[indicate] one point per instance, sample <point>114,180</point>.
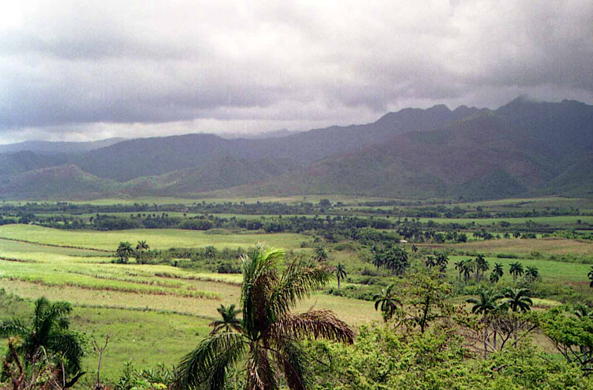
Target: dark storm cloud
<point>82,70</point>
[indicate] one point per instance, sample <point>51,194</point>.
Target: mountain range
<point>524,148</point>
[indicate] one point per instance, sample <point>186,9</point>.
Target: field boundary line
<point>189,277</point>
<point>138,308</point>
<point>2,258</point>
<point>195,295</point>
<point>56,246</point>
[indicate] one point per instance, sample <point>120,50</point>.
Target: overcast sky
<point>84,70</point>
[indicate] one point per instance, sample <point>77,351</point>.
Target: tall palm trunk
<point>485,341</point>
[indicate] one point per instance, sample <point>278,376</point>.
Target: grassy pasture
<point>530,203</point>
<point>156,238</point>
<point>132,334</point>
<point>346,199</point>
<point>25,247</point>
<point>550,271</point>
<point>548,246</point>
<point>551,221</point>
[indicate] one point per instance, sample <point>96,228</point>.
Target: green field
<point>137,304</point>
<point>157,238</point>
<point>142,305</point>
<point>551,221</point>
<point>545,247</point>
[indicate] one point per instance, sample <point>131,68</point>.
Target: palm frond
<point>206,366</point>
<point>13,327</point>
<point>53,315</point>
<point>298,281</point>
<point>316,324</point>
<point>295,363</point>
<point>260,276</point>
<point>41,305</point>
<point>69,345</point>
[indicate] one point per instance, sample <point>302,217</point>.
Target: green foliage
<point>427,297</point>
<point>382,359</point>
<point>267,339</point>
<point>387,301</point>
<point>144,379</point>
<point>48,333</point>
<point>571,334</point>
<point>123,252</point>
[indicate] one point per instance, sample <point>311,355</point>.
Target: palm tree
<point>270,333</point>
<point>340,273</point>
<point>430,262</point>
<point>590,275</point>
<point>48,330</point>
<point>229,321</point>
<point>486,304</point>
<point>481,266</point>
<point>518,299</point>
<point>532,274</point>
<point>516,270</point>
<point>468,268</point>
<point>399,261</point>
<point>442,262</point>
<point>320,254</point>
<point>459,267</point>
<point>379,260</point>
<point>387,301</point>
<point>124,251</point>
<point>141,248</point>
<point>497,272</point>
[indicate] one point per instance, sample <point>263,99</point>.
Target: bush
<point>507,256</point>
<point>228,268</point>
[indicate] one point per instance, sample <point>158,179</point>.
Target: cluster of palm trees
<point>394,258</point>
<point>476,268</point>
<point>125,250</point>
<point>441,261</point>
<point>531,272</point>
<point>493,306</point>
<point>267,336</point>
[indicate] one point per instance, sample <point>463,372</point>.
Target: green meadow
<point>158,238</point>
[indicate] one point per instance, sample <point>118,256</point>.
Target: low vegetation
<point>429,294</point>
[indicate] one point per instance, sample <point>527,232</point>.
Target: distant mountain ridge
<point>524,147</point>
<point>51,147</point>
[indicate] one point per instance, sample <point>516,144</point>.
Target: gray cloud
<point>85,70</point>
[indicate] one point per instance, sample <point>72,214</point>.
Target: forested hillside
<point>524,147</point>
